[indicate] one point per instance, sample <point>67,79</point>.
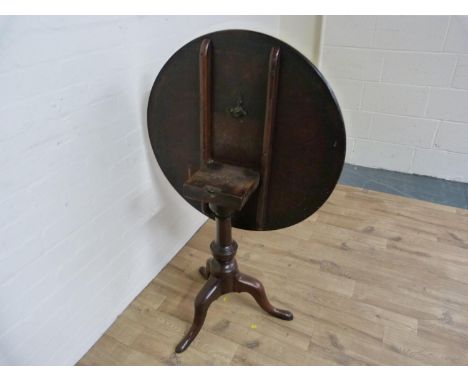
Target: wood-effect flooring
<point>372,279</point>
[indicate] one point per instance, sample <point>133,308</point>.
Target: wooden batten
<point>268,132</point>
<point>206,149</point>
<point>206,145</point>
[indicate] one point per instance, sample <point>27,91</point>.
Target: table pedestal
<point>223,276</point>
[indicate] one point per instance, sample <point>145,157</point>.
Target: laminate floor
<point>372,279</point>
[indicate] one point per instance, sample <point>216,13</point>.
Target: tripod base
<point>224,277</point>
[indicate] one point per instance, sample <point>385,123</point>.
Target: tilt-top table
<point>247,130</point>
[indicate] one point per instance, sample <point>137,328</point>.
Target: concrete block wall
<point>86,217</point>
<point>402,82</point>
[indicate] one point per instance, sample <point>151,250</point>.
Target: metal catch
<point>238,111</point>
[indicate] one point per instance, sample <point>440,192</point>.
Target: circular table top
<point>308,140</point>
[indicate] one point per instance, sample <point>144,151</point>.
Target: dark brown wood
<point>249,284</point>
<point>260,123</point>
<point>209,293</point>
<point>205,67</point>
<point>205,101</point>
<point>308,140</point>
<point>223,276</point>
<point>223,226</point>
<point>268,131</point>
<point>222,184</point>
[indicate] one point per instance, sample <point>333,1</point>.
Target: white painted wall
<point>402,82</point>
<point>303,32</point>
<point>86,217</point>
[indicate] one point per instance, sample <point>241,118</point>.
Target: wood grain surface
<point>372,279</point>
<point>252,94</point>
